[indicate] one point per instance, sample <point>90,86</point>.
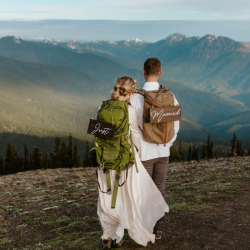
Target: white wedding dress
<point>139,203</point>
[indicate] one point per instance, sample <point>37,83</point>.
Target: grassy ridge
<point>56,208</point>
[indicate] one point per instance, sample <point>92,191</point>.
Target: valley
<point>50,88</point>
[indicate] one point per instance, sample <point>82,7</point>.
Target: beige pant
<point>157,169</point>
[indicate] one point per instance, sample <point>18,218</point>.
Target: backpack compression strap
<point>115,191</point>
<point>133,150</point>
<point>108,182</point>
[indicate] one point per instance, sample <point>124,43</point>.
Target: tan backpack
<point>159,115</point>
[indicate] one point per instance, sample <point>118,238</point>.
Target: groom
<point>154,157</point>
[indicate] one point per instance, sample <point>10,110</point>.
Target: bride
<point>139,203</point>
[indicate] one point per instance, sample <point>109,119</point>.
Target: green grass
<point>198,186</point>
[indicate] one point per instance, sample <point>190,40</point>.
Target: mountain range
<point>215,64</point>
<point>50,88</point>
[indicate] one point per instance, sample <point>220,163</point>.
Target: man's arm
<point>176,127</point>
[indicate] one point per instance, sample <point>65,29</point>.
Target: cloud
<point>132,10</point>
<point>202,5</point>
<point>230,7</point>
<point>31,12</point>
<point>34,11</point>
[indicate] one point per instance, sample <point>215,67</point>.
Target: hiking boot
<point>117,245</point>
<point>106,244</point>
<point>158,228</point>
<point>158,234</point>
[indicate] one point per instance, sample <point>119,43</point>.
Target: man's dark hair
<point>152,66</point>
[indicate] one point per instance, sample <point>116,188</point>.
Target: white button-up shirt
<point>151,150</point>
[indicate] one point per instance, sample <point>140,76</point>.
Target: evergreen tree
<point>217,155</point>
<point>204,152</point>
<point>50,164</point>
<point>70,162</point>
<point>242,151</point>
<point>180,149</point>
<point>8,161</point>
<point>211,150</point>
<point>174,154</point>
<point>26,158</point>
<point>15,160</point>
<point>239,150</point>
<point>76,157</point>
<point>233,144</point>
<point>19,163</point>
<point>86,159</point>
<point>30,160</point>
<point>248,151</point>
<point>56,154</point>
<point>44,161</point>
<point>36,158</point>
<point>63,155</point>
<point>93,158</point>
<point>195,153</point>
<point>209,147</point>
<point>223,154</point>
<point>189,153</point>
<point>1,166</point>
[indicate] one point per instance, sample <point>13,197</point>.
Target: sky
<point>125,9</point>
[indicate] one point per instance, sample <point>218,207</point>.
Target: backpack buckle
<point>109,191</point>
<point>117,177</point>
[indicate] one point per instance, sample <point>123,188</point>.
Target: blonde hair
<point>123,86</point>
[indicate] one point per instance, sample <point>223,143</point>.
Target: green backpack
<point>115,154</point>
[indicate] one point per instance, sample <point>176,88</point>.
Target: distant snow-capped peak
<point>211,38</point>
<point>50,41</point>
<point>39,38</point>
<point>112,42</point>
<point>26,39</point>
<point>17,39</point>
<point>72,44</point>
<point>175,37</point>
<point>135,40</point>
<point>44,39</point>
<point>97,41</point>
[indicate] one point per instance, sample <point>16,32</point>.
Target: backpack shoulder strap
<point>140,91</point>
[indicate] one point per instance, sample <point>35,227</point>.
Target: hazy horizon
<point>150,31</point>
